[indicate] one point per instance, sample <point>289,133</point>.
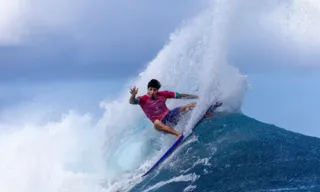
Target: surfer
<point>154,106</point>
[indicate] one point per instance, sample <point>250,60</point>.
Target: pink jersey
<point>156,108</point>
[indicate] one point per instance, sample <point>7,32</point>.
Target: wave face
<point>197,60</point>
<point>233,152</point>
<point>193,61</point>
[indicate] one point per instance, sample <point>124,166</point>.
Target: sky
<point>286,99</point>
<point>81,39</point>
<point>55,51</point>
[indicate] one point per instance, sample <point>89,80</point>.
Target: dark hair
<point>154,84</point>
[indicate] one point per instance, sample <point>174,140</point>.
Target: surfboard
<point>170,150</point>
<point>208,113</point>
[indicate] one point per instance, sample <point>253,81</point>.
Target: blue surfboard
<point>209,112</point>
<point>170,150</point>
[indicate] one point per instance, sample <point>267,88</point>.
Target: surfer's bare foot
<point>179,135</point>
<point>208,115</point>
<point>188,107</point>
<point>217,104</point>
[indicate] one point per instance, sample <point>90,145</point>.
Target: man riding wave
<point>154,106</point>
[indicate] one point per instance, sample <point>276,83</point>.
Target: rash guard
<point>156,108</point>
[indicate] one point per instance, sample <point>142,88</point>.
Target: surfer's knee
<point>157,124</point>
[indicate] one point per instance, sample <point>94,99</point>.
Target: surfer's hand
<point>134,91</point>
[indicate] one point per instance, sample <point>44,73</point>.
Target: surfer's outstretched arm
<point>133,99</point>
<point>188,96</point>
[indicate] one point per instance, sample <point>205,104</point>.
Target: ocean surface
<point>233,152</point>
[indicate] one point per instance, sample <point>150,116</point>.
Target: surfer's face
<point>152,92</point>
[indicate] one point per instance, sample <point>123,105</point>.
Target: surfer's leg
<point>163,127</point>
<point>188,107</point>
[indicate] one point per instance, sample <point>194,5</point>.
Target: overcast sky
<point>85,39</point>
<point>109,39</point>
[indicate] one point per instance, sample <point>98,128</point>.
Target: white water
<point>78,153</point>
<point>296,21</point>
<point>57,156</point>
<point>193,61</point>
